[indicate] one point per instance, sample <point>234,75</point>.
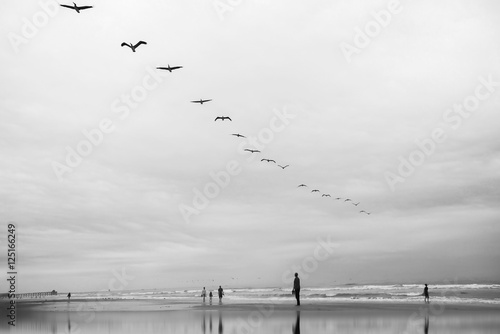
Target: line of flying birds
<point>169,68</point>
<point>133,47</point>
<point>336,198</point>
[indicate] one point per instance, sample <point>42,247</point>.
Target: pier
<point>30,294</point>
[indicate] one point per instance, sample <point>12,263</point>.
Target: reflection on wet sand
<point>214,321</point>
<point>210,323</point>
<point>296,327</point>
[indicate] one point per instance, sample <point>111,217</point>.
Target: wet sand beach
<point>172,316</point>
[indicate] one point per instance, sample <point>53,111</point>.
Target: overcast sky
<point>394,105</point>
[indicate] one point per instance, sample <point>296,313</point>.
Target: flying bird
<point>301,185</point>
<point>168,68</point>
<point>337,198</point>
<point>251,151</point>
<point>268,160</point>
<point>283,167</point>
<point>222,118</point>
<point>348,199</point>
<point>237,135</point>
<point>133,47</point>
<point>201,101</point>
<point>326,195</point>
<point>368,213</point>
<point>355,204</point>
<point>77,8</point>
<point>315,191</point>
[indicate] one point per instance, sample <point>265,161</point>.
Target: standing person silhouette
<point>296,288</point>
<point>203,293</point>
<point>69,296</point>
<point>210,295</point>
<point>426,294</point>
<point>221,293</point>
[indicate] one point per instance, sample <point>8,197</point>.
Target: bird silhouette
<point>251,151</point>
<point>222,118</point>
<point>315,191</point>
<point>326,195</point>
<point>355,204</point>
<point>200,101</point>
<point>368,213</point>
<point>168,68</point>
<point>337,198</point>
<point>77,8</point>
<point>268,160</point>
<point>347,200</point>
<point>301,185</point>
<point>237,135</point>
<point>132,46</point>
<point>283,167</point>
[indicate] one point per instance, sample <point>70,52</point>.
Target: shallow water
<point>256,320</point>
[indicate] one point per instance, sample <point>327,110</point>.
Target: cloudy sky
<point>108,170</point>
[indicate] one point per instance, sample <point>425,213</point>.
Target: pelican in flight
<point>237,135</point>
<point>283,167</point>
<point>355,204</point>
<point>77,8</point>
<point>201,101</point>
<point>348,199</point>
<point>132,46</point>
<point>337,198</point>
<point>222,118</point>
<point>168,68</point>
<point>268,160</point>
<point>315,191</point>
<point>301,185</point>
<point>251,151</point>
<point>368,213</point>
<point>326,195</point>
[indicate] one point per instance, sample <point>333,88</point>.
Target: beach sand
<point>181,316</point>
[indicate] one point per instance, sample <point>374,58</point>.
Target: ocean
<point>444,293</point>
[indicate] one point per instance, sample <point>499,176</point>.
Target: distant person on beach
<point>69,296</point>
<point>221,293</point>
<point>203,293</point>
<point>296,288</point>
<point>210,295</point>
<point>426,294</point>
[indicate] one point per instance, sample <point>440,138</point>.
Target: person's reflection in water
<point>203,324</point>
<point>69,323</point>
<point>53,327</point>
<point>426,324</point>
<point>220,323</point>
<point>210,323</point>
<point>296,327</point>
